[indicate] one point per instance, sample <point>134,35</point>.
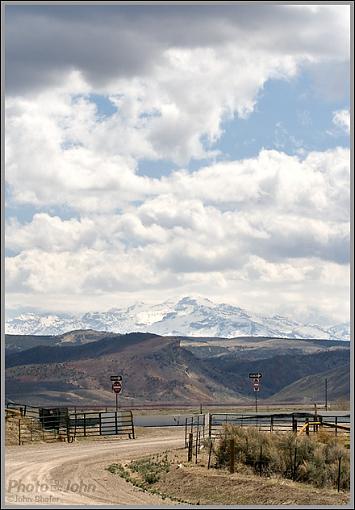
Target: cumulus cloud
<point>341,118</point>
<point>45,43</point>
<point>171,75</point>
<point>287,233</point>
<point>165,68</point>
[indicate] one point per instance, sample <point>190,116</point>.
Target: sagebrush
<point>307,459</point>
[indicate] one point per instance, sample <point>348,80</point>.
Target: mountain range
<point>188,316</point>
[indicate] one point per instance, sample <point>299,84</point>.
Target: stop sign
<point>117,386</point>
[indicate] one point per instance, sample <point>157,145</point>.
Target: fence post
<point>336,425</point>
<point>100,424</point>
<point>19,432</point>
<point>271,423</point>
<point>189,452</point>
<point>133,436</point>
<point>260,460</point>
<point>232,455</point>
<point>75,422</point>
<point>209,425</point>
<point>84,424</point>
<point>209,454</point>
<point>307,426</point>
<point>197,438</point>
<point>185,432</point>
<point>67,419</point>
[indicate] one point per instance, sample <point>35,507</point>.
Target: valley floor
<point>68,474</point>
<point>194,484</point>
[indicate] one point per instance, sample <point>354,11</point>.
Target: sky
<point>158,151</point>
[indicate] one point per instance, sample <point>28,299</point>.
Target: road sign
<point>256,388</point>
<point>117,386</point>
<point>255,375</point>
<point>116,378</point>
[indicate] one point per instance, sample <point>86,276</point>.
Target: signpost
<point>256,376</point>
<point>116,386</point>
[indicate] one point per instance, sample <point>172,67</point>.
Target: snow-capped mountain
<point>185,317</point>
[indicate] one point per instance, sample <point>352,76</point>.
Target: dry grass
<point>23,430</point>
<point>194,484</point>
<point>312,459</point>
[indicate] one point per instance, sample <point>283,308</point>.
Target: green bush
<point>150,469</point>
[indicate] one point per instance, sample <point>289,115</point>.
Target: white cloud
<point>104,43</point>
<point>273,219</point>
<point>267,220</point>
<point>341,118</point>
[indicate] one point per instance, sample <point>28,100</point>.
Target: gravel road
<point>69,474</point>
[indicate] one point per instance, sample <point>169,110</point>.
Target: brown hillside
<point>156,369</point>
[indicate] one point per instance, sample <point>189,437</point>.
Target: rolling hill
<point>153,368</point>
<point>311,388</point>
<point>163,369</point>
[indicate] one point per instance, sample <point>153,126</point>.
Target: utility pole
<point>326,393</point>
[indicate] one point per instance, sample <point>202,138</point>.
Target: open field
<point>170,475</point>
<point>86,460</point>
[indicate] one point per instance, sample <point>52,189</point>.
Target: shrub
<point>305,458</point>
<point>150,469</point>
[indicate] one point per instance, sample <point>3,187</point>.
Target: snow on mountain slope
<point>185,317</point>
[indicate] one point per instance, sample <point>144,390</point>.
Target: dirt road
<point>55,474</point>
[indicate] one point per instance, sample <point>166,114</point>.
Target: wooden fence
<point>281,422</point>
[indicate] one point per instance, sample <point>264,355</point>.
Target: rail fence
<point>64,424</point>
<point>203,431</point>
<point>278,422</point>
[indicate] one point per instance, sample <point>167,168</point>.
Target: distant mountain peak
<point>186,316</point>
